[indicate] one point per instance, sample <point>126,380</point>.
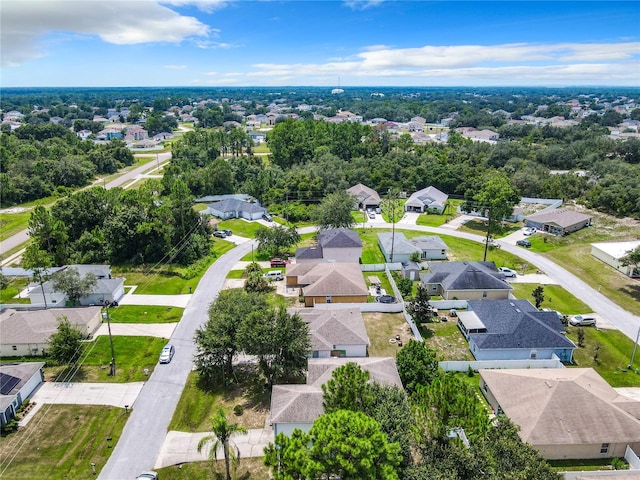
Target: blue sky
<point>318,43</point>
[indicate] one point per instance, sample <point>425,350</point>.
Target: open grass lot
<point>12,223</point>
<point>61,441</point>
<point>170,279</point>
<point>433,220</point>
<point>478,227</point>
<point>132,354</point>
<point>248,469</point>
<point>240,227</point>
<point>306,240</point>
<point>613,357</point>
<point>145,314</point>
<point>383,326</point>
<point>371,252</point>
<point>200,401</point>
<point>446,339</point>
<point>555,298</point>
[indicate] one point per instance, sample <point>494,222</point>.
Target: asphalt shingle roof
<point>339,238</point>
<point>465,276</point>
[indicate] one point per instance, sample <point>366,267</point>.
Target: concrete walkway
<point>182,447</point>
<point>131,298</point>
<point>160,330</point>
<point>113,394</point>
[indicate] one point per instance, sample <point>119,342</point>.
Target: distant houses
<point>611,253</point>
<point>235,208</point>
<point>428,199</point>
<point>367,197</point>
<point>558,222</point>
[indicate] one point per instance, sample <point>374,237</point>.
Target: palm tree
<point>222,431</point>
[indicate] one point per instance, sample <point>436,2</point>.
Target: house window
<point>534,354</point>
<point>485,388</point>
<point>442,252</point>
<point>15,347</point>
<point>604,448</point>
<point>328,299</point>
<point>484,294</point>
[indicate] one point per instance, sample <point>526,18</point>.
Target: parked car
<point>267,217</point>
<point>150,475</point>
<point>274,275</point>
<point>529,231</point>
<point>167,354</point>
<point>492,243</point>
<point>372,215</point>
<point>581,321</point>
<point>508,272</point>
<point>524,243</point>
<point>228,233</point>
<point>220,234</point>
<point>278,262</point>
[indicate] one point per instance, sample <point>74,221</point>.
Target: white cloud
<point>533,64</point>
<point>26,22</point>
<point>362,4</point>
<point>204,5</point>
<point>175,67</point>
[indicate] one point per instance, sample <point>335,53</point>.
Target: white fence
<point>633,459</point>
<point>407,317</point>
<point>449,304</point>
<point>364,307</point>
<point>380,267</point>
<point>463,366</point>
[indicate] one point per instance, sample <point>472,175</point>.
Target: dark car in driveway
<point>278,262</point>
<point>220,234</point>
<point>524,243</point>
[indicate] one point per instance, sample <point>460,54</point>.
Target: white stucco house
<point>430,247</point>
<point>17,382</point>
<point>611,253</point>
<point>428,199</point>
<point>234,208</point>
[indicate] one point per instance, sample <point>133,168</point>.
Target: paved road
<point>143,436</point>
<point>22,236</point>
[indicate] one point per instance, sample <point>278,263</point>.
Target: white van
<point>274,275</point>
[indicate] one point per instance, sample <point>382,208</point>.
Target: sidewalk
<point>182,447</point>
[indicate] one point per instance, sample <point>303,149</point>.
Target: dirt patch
<point>384,327</point>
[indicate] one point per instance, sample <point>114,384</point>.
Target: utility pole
<point>112,371</point>
<point>486,241</point>
<point>393,224</point>
<point>635,347</point>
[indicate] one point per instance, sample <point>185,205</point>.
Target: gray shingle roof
<point>339,238</point>
<point>344,326</point>
<point>517,324</point>
<point>333,279</point>
<point>309,252</point>
<point>561,217</point>
<point>466,276</point>
<point>235,205</point>
<point>19,327</point>
<point>381,369</point>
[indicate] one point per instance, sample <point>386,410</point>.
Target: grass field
<point>201,400</point>
<point>446,339</point>
<point>555,298</point>
<point>8,295</point>
<point>12,223</point>
<point>613,356</point>
<point>240,227</point>
<point>61,442</point>
<point>381,327</point>
<point>145,314</point>
<point>132,354</point>
<point>478,227</point>
<point>247,469</point>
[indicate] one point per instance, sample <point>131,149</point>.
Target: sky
<point>111,43</point>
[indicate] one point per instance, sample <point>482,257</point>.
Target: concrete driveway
<point>160,330</point>
<point>158,300</point>
<point>182,447</point>
<point>113,394</point>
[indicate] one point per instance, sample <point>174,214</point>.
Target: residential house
<point>336,332</point>
<point>513,330</point>
<point>328,282</point>
<point>367,197</point>
<point>428,199</point>
<point>257,137</point>
<point>428,247</point>
<point>334,245</point>
<point>17,382</point>
<point>611,253</point>
<point>558,222</point>
<point>565,413</point>
<point>465,281</point>
<point>27,333</point>
<point>107,289</point>
<point>234,208</point>
<point>297,406</point>
<point>487,136</point>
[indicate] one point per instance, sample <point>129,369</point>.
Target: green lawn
<point>478,227</point>
<point>12,223</point>
<point>8,295</point>
<point>235,274</point>
<point>613,357</point>
<point>432,220</point>
<point>555,298</point>
<point>306,239</point>
<point>200,401</point>
<point>170,280</point>
<point>145,314</point>
<point>248,469</point>
<point>132,354</point>
<point>371,252</point>
<point>61,441</point>
<point>242,228</point>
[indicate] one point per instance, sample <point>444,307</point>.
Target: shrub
<point>238,410</point>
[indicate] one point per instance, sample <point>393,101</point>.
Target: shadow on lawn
<point>632,290</point>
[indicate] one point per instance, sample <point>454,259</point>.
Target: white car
<point>508,272</point>
<point>581,321</point>
<point>167,353</point>
<point>529,231</point>
<point>150,475</point>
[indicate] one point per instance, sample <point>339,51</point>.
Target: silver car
<point>581,321</point>
<point>167,353</point>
